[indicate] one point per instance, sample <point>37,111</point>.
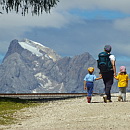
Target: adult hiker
<point>107,67</point>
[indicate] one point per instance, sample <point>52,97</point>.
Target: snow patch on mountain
<point>61,88</point>
<point>39,49</point>
<point>44,78</point>
<point>32,49</point>
<point>48,85</point>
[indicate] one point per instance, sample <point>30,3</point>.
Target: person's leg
<point>120,94</point>
<point>90,91</point>
<point>108,81</point>
<point>108,89</point>
<point>105,96</point>
<point>123,94</point>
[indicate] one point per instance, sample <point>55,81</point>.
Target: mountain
<point>30,67</point>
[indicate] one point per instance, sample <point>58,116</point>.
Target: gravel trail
<point>75,114</point>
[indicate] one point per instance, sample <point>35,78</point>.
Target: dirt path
<point>76,114</point>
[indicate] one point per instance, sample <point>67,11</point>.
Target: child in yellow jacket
<point>122,78</point>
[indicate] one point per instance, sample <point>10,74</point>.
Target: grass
<point>8,106</point>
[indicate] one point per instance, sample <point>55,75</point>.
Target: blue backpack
<point>104,62</point>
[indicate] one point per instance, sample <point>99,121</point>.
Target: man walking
<point>106,64</point>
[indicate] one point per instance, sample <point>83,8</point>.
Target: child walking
<point>122,78</point>
<point>89,83</point>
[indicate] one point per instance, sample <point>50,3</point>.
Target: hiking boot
<point>109,101</point>
<point>119,98</point>
<point>89,99</point>
<point>105,98</point>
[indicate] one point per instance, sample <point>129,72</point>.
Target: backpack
<point>104,62</point>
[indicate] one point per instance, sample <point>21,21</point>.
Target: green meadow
<point>8,106</point>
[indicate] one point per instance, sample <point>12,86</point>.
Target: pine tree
<point>36,7</point>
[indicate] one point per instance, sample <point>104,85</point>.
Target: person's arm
<point>116,77</point>
<point>114,66</point>
<point>127,80</point>
<point>113,62</point>
<point>85,87</point>
<point>100,77</point>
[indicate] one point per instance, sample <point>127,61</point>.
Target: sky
<point>74,27</point>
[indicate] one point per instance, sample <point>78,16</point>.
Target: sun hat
<point>122,69</point>
<point>90,69</point>
<point>107,48</point>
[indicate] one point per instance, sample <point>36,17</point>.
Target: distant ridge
<point>31,67</point>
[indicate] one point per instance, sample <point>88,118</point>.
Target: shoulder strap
<point>105,53</point>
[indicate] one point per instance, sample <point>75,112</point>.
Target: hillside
<point>31,67</point>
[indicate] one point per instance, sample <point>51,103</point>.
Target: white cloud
<point>59,16</point>
<point>118,5</point>
<point>73,31</point>
<point>13,26</point>
<point>53,19</point>
<point>122,24</point>
<point>122,49</point>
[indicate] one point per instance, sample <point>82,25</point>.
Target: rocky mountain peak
<point>35,48</point>
<point>30,67</point>
<point>39,49</point>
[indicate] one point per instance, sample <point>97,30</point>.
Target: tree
<point>35,6</point>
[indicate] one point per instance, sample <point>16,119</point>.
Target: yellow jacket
<point>122,80</point>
